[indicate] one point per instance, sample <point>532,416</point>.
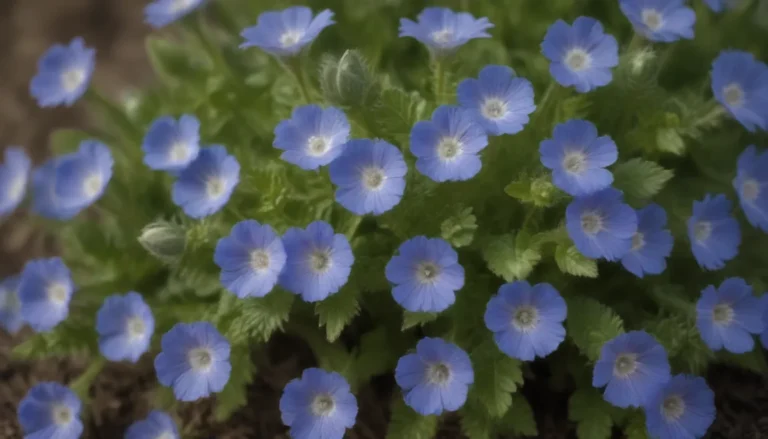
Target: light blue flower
<point>660,20</point>
<point>285,33</point>
<point>194,361</point>
<point>82,177</point>
<point>500,101</point>
<point>651,244</point>
<point>313,136</point>
<point>581,55</point>
<point>171,145</point>
<point>319,405</point>
<point>50,411</point>
<point>10,305</point>
<point>161,13</point>
<point>14,176</point>
<point>63,74</point>
<point>714,234</point>
<point>751,184</point>
<point>204,187</point>
<point>45,290</point>
<point>369,176</point>
<point>740,84</point>
<point>683,409</point>
<point>442,30</point>
<point>125,326</point>
<point>601,225</point>
<point>728,316</point>
<point>158,425</point>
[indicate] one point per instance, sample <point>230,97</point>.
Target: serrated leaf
<point>519,189</point>
<point>397,111</point>
<point>497,377</point>
<point>257,318</point>
<point>635,428</point>
<point>459,229</point>
<point>511,257</point>
<point>590,324</point>
<point>571,261</point>
<point>475,421</point>
<point>337,311</point>
<point>519,419</point>
<point>668,140</point>
<point>640,179</point>
<point>407,424</point>
<point>235,393</point>
<point>589,410</point>
<point>411,319</point>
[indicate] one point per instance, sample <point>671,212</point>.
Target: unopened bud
<point>164,240</point>
<point>349,81</point>
<point>542,192</point>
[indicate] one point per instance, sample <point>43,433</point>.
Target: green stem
<point>293,67</point>
<point>543,106</point>
<point>439,79</point>
<point>197,27</point>
<point>115,114</point>
<point>637,42</point>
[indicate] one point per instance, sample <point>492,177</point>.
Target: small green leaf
<point>475,421</point>
<point>337,311</point>
<point>411,319</point>
<point>378,353</point>
<point>407,424</point>
<point>235,393</point>
<point>590,324</point>
<point>460,228</point>
<point>257,318</point>
<point>519,420</point>
<point>497,377</point>
<point>640,179</point>
<point>397,111</point>
<point>635,428</point>
<point>587,408</point>
<point>572,262</point>
<point>511,257</point>
<point>668,140</point>
<point>519,189</point>
<point>574,107</point>
<point>82,384</point>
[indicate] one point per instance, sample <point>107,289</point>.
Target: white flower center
<point>166,435</point>
<point>722,314</point>
<point>92,185</point>
<point>448,148</point>
<point>260,260</point>
<point>638,241</point>
<point>591,223</point>
<point>317,146</point>
<point>179,152</point>
<point>180,5</point>
<point>320,261</point>
<point>702,230</point>
<point>575,162</point>
<point>16,189</point>
<point>438,373</point>
<point>625,365</point>
<point>323,405</point>
<point>373,178</point>
<point>673,407</point>
<point>525,318</point>
<point>442,36</point>
<point>61,414</point>
<point>215,187</point>
<point>200,359</point>
<point>494,108</point>
<point>750,189</point>
<point>9,301</point>
<point>57,293</point>
<point>578,59</point>
<point>290,38</point>
<point>733,95</point>
<point>136,327</point>
<point>427,272</point>
<point>72,79</point>
<point>652,19</point>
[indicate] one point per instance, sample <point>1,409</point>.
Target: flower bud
<point>542,192</point>
<point>348,81</point>
<point>164,240</point>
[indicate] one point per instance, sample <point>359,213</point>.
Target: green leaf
<point>411,319</point>
<point>753,360</point>
<point>407,424</point>
<point>235,393</point>
<point>66,140</point>
<point>337,311</point>
<point>635,428</point>
<point>173,63</point>
<point>640,179</point>
<point>257,318</point>
<point>519,420</point>
<point>668,140</point>
<point>519,189</point>
<point>82,384</point>
<point>460,228</point>
<point>571,261</point>
<point>511,257</point>
<point>589,410</point>
<point>590,324</point>
<point>73,336</point>
<point>378,354</point>
<point>574,107</point>
<point>397,111</point>
<point>475,421</point>
<point>497,377</point>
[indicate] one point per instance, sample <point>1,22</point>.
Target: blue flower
<point>10,306</point>
<point>82,177</point>
<point>161,13</point>
<point>526,321</point>
<point>171,145</point>
<point>45,289</point>
<point>436,377</point>
<point>319,405</point>
<point>125,326</point>
<point>14,175</point>
<point>577,157</point>
<point>652,243</point>
<point>498,99</point>
<point>44,201</point>
<point>740,84</point>
<point>714,233</point>
<point>721,5</point>
<point>751,183</point>
<point>728,316</point>
<point>446,147</point>
<point>443,30</point>
<point>581,55</point>
<point>601,225</point>
<point>370,176</point>
<point>285,33</point>
<point>426,274</point>
<point>63,74</point>
<point>634,368</point>
<point>660,20</point>
<point>318,261</point>
<point>204,187</point>
<point>50,410</point>
<point>251,259</point>
<point>312,137</point>
<point>158,425</point>
<point>683,409</point>
<point>194,361</point>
